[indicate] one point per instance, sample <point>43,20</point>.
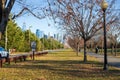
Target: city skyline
<point>57,36</point>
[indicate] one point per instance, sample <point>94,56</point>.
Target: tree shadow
<point>74,68</point>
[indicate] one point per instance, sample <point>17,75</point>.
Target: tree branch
<point>27,9</point>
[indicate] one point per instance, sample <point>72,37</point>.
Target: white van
<point>3,53</point>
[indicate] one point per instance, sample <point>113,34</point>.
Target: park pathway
<point>112,60</point>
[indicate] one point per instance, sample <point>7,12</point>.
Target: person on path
<point>96,50</point>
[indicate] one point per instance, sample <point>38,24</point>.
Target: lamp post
<point>104,6</point>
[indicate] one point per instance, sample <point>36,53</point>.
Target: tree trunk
<point>91,47</point>
<point>77,49</point>
<point>112,50</point>
<point>5,10</point>
<point>85,53</point>
<point>115,49</point>
<point>102,47</point>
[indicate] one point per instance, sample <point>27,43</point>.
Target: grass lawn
<point>62,65</point>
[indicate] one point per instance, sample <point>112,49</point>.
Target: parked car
<point>3,53</point>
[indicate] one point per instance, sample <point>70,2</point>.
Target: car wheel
<point>7,55</point>
<point>0,56</point>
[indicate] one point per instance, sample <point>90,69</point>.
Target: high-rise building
<point>24,26</point>
<point>39,33</point>
<point>45,36</point>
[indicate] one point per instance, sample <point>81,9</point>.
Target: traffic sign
<point>33,45</point>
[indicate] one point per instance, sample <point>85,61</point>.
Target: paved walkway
<point>113,61</point>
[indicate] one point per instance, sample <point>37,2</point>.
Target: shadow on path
<point>113,61</point>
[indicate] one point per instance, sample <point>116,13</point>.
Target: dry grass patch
<point>62,65</point>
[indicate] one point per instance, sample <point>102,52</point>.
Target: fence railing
<point>19,57</point>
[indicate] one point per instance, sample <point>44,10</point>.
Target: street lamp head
<point>104,5</point>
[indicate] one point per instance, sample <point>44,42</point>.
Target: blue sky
<point>42,24</point>
<point>30,20</point>
<point>36,24</point>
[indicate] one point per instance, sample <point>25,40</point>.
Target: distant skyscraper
<point>49,35</point>
<point>45,36</point>
<point>39,34</point>
<point>24,26</point>
<point>54,36</point>
<point>57,36</point>
<point>60,37</point>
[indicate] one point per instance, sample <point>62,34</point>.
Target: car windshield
<point>2,49</point>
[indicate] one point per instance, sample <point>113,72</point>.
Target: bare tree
<point>113,35</point>
<point>7,5</point>
<point>84,17</point>
<point>75,43</point>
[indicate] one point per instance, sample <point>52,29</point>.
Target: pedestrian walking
<point>96,50</point>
